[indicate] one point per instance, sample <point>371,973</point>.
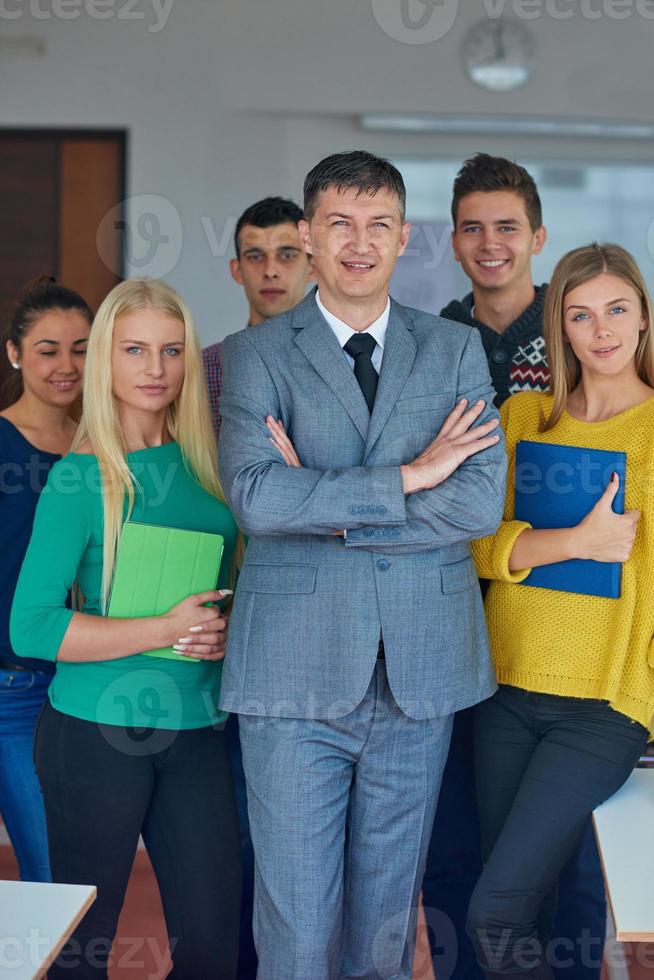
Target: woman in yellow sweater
<point>576,672</point>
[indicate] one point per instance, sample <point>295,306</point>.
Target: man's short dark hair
<point>266,213</point>
<point>357,169</point>
<point>486,173</point>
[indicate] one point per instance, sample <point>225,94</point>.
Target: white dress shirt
<point>344,332</point>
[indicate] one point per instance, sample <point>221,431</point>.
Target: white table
<point>35,921</point>
<point>623,827</point>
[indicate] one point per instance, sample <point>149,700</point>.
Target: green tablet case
<point>157,567</point>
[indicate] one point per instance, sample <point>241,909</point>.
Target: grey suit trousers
<point>346,806</point>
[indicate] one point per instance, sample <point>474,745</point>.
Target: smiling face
<point>494,241</point>
<point>602,322</point>
<point>147,360</point>
<point>273,269</point>
<point>52,355</point>
<point>355,240</point>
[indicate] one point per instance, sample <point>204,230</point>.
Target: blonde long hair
<point>574,269</point>
<point>188,420</point>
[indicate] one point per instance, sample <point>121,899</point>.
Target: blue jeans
<point>454,864</point>
<point>22,693</point>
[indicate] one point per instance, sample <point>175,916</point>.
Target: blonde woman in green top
<point>128,744</point>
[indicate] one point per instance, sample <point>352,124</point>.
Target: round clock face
<point>499,54</point>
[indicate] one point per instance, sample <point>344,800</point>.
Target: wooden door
<point>55,188</point>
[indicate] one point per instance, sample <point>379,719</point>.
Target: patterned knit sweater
<point>517,359</point>
<point>577,645</point>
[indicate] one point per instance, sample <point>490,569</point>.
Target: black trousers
<point>542,764</point>
<point>103,785</point>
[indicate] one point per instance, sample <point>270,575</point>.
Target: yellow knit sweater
<point>558,642</point>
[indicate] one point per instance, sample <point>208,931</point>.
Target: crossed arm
<point>452,492</point>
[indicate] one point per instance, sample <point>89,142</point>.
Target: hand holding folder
<point>158,567</point>
<point>557,487</point>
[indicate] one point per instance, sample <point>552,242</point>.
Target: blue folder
<point>556,486</point>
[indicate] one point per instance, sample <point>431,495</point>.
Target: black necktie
<point>360,347</point>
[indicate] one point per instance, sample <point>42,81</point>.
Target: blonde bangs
<point>188,419</point>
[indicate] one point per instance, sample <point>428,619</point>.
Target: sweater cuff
<point>505,538</point>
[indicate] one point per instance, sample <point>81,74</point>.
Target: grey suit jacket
<point>309,606</point>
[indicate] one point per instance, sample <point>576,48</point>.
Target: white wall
<point>226,103</point>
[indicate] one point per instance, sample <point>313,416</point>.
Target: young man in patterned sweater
<point>498,227</point>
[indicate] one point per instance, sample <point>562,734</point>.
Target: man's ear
<point>235,269</point>
<point>311,275</point>
<point>540,237</point>
<point>404,237</point>
<point>304,231</point>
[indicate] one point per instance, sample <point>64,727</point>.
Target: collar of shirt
<point>343,332</point>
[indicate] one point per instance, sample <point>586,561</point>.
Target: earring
<point>15,365</point>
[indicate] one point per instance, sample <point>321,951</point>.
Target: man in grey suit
<point>357,629</point>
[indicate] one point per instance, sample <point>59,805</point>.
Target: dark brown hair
<point>486,173</point>
<point>36,298</point>
<point>265,214</point>
<point>357,169</point>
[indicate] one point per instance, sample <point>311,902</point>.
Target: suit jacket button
<point>383,565</point>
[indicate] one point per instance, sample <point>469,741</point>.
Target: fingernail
<point>226,591</point>
<point>195,629</point>
<point>178,649</point>
<point>184,639</point>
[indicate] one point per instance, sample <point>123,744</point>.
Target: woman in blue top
<point>129,744</point>
<point>46,346</point>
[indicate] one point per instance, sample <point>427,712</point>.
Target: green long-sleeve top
<point>66,547</point>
